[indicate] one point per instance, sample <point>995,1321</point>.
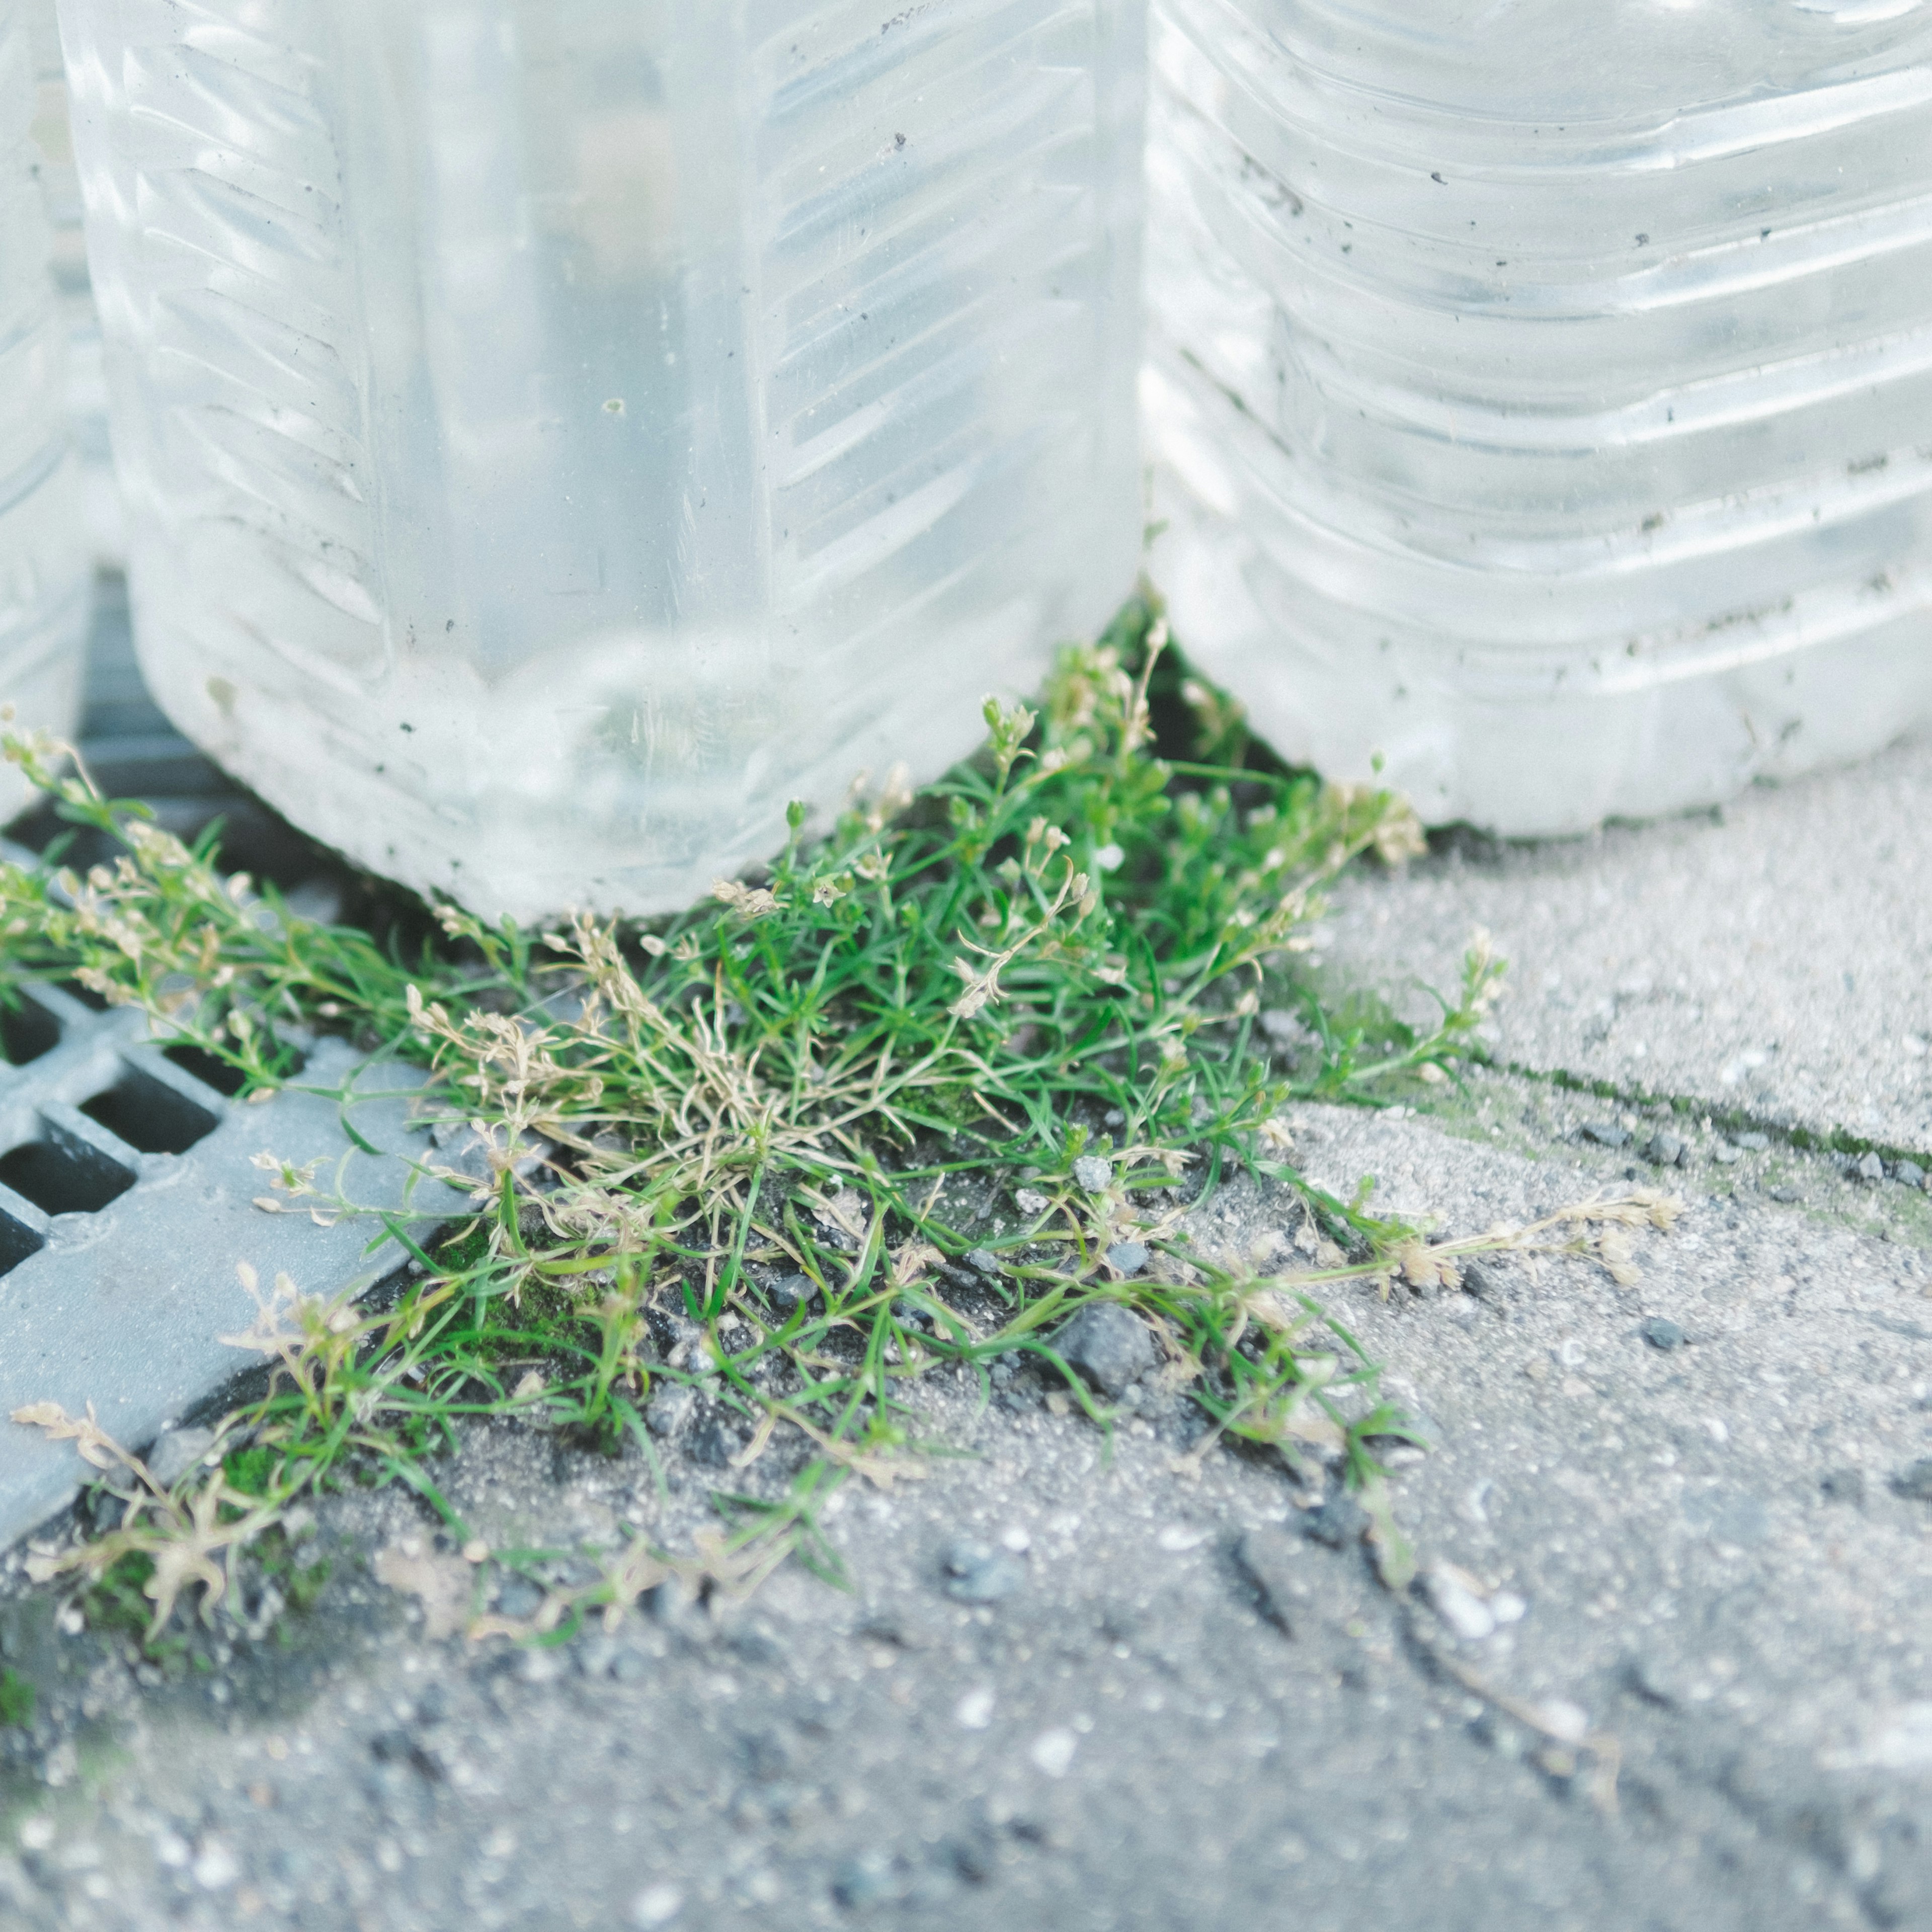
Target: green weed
<point>909,1099</point>
<point>17,1699</point>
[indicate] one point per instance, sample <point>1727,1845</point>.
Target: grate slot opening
<point>209,1071</point>
<point>148,1116</point>
<point>64,1177</point>
<point>18,1244</point>
<point>26,1032</point>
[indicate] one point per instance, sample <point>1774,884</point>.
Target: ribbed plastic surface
<point>558,432</point>
<point>46,575</point>
<point>86,379</point>
<point>1543,393</point>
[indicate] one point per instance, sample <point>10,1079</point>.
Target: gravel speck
<point>1030,1201</point>
<point>1910,1173</point>
<point>657,1905</point>
<point>976,1572</point>
<point>862,1881</point>
<point>1094,1173</point>
<point>215,1867</point>
<point>670,1409</point>
<point>1130,1257</point>
<point>1053,1752</point>
<point>1107,1345</point>
<point>984,1260</point>
<point>974,1711</point>
<point>717,1441</point>
<point>1665,1149</point>
<point>1751,1143</point>
<point>517,1597</point>
<point>1605,1133</point>
<point>1662,1333</point>
<point>1871,1168</point>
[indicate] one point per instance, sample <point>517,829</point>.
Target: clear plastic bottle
<point>45,574</point>
<point>556,433</point>
<point>86,383</point>
<point>1542,392</point>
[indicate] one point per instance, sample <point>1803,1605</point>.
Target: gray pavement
<point>1769,959</point>
<point>1669,1665</point>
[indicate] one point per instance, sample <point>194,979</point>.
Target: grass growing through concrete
<point>936,1082</point>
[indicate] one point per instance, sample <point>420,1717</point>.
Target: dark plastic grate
<point>127,1183</point>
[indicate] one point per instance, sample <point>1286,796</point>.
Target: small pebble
<point>1107,1345</point>
<point>1661,1333</point>
<point>670,1409</point>
<point>976,1573</point>
<point>862,1881</point>
<point>1871,1168</point>
<point>1094,1173</point>
<point>1787,1194</point>
<point>984,1261</point>
<point>1843,1485</point>
<point>1030,1201</point>
<point>517,1597</point>
<point>792,1292</point>
<point>215,1867</point>
<point>657,1905</point>
<point>716,1441</point>
<point>1914,1482</point>
<point>1605,1133</point>
<point>974,1711</point>
<point>1665,1149</point>
<point>1053,1752</point>
<point>1339,1522</point>
<point>1480,1281</point>
<point>1467,1615</point>
<point>1751,1143</point>
<point>1568,1723</point>
<point>1910,1173</point>
<point>177,1452</point>
<point>1128,1257</point>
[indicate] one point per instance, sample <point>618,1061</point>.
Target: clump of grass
<point>906,1100</point>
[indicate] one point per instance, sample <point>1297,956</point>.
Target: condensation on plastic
<point>556,433</point>
<point>1541,394</point>
<point>45,576</point>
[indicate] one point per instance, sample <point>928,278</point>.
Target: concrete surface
<point>1712,1580</point>
<point>1771,958</point>
<point>1668,1668</point>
